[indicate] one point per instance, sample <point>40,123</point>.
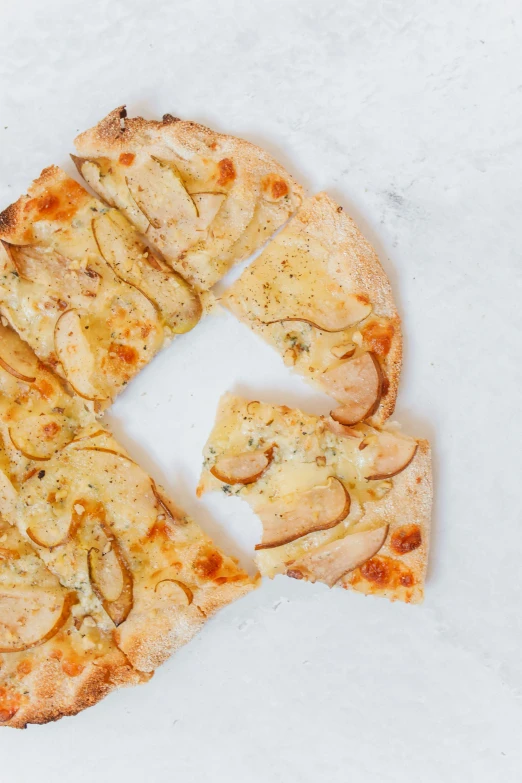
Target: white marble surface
<point>410,114</point>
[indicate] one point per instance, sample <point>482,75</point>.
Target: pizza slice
<point>347,506</point>
<point>38,415</point>
<point>320,297</point>
<point>83,290</point>
<point>55,660</point>
<point>140,567</point>
<point>203,199</point>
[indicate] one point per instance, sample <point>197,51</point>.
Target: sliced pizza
<point>203,199</point>
<point>80,286</point>
<point>320,297</point>
<point>38,415</point>
<point>55,660</point>
<point>346,506</point>
<point>139,566</point>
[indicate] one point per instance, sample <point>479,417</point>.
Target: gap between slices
<point>357,384</point>
<point>330,562</point>
<point>320,508</point>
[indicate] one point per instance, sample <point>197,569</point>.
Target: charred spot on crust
<point>170,119</point>
<point>275,186</point>
<point>385,572</point>
<point>127,158</point>
<point>50,430</point>
<point>406,539</point>
<point>376,570</point>
<point>294,573</point>
<point>227,171</point>
<point>8,218</point>
<point>378,337</point>
<point>125,353</point>
<point>208,563</point>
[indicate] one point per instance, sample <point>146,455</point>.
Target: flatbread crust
<point>321,261</point>
<point>83,290</point>
<point>205,200</point>
<point>308,452</point>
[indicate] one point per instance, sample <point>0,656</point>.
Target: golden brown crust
<point>52,196</point>
<point>259,195</point>
<point>351,262</point>
<point>407,504</point>
<point>52,694</point>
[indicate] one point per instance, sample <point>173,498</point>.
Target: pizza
<point>347,506</point>
<point>102,576</point>
<point>203,199</point>
<point>320,297</point>
<point>83,290</point>
<point>139,565</point>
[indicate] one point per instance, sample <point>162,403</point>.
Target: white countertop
<point>410,114</point>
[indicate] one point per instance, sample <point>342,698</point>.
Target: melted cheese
<point>306,454</point>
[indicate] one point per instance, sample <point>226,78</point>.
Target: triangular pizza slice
<point>55,660</point>
<point>346,506</point>
<point>320,297</point>
<point>84,291</point>
<point>129,576</point>
<point>205,200</point>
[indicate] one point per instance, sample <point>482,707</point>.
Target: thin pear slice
<point>59,531</point>
<point>110,576</point>
<point>343,350</point>
<point>244,468</point>
<point>342,430</point>
<point>354,309</point>
<point>357,384</point>
<point>387,454</point>
<point>39,437</point>
<point>31,617</point>
<point>207,205</point>
<point>40,265</point>
<point>16,357</point>
<point>157,189</point>
<point>74,353</point>
<point>318,509</point>
<point>328,563</point>
<point>131,260</point>
<point>175,591</point>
